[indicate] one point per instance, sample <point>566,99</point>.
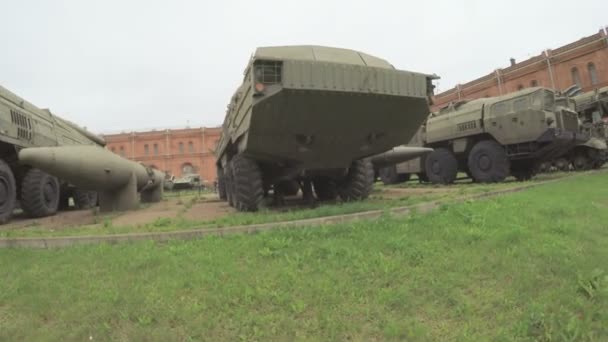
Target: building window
<point>592,73</point>
<point>155,149</point>
<point>181,147</point>
<point>187,169</point>
<point>576,78</point>
<point>520,87</point>
<point>122,151</point>
<point>190,147</point>
<point>146,149</point>
<point>534,83</point>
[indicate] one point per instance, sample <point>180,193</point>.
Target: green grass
<point>525,266</point>
<point>377,200</point>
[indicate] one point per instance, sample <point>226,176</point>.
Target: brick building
<point>583,62</point>
<point>176,151</point>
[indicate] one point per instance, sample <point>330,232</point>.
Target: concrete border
<point>197,233</point>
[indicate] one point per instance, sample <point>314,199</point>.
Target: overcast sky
<point>137,64</point>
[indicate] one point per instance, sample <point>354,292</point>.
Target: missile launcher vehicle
<point>492,138</point>
<point>313,115</point>
<point>37,193</point>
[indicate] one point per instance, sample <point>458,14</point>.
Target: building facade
<point>583,62</point>
<point>175,151</point>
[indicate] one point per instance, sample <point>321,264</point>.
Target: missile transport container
<point>24,125</point>
<point>492,138</point>
<point>311,115</point>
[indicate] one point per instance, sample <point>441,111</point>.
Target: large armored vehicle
<point>592,108</point>
<point>310,116</point>
<point>491,138</point>
<point>38,193</point>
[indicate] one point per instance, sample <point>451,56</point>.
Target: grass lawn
<point>528,266</point>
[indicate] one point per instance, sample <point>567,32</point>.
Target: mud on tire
<point>488,162</point>
<point>39,194</point>
<point>358,182</point>
<point>8,192</point>
<point>441,166</point>
<point>247,182</point>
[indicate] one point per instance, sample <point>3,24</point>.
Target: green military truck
<point>592,108</point>
<point>492,138</point>
<point>34,191</point>
<point>307,117</point>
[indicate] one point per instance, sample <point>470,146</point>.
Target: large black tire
<point>358,182</point>
<point>325,188</point>
<point>39,194</point>
<point>389,175</point>
<point>287,188</point>
<point>441,166</point>
<point>247,182</point>
<point>84,199</point>
<point>581,162</point>
<point>221,184</point>
<point>562,164</point>
<point>8,192</point>
<point>488,162</point>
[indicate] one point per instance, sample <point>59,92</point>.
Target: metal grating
<point>23,123</point>
<point>467,125</point>
<point>268,72</point>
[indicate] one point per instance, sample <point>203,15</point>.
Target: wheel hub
<point>484,162</point>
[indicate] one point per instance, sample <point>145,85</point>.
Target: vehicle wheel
<point>544,167</point>
<point>488,162</point>
<point>562,164</point>
<point>84,199</point>
<point>39,194</point>
<point>247,183</point>
<point>325,188</point>
<point>8,192</point>
<point>580,162</point>
<point>229,185</point>
<point>422,178</point>
<point>523,175</point>
<point>359,181</point>
<point>288,188</point>
<point>441,166</point>
<point>221,184</point>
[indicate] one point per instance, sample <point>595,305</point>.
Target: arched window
<point>190,147</point>
<point>520,87</point>
<point>155,149</point>
<point>592,73</point>
<point>187,169</point>
<point>181,147</point>
<point>534,83</point>
<point>576,78</point>
<point>146,149</point>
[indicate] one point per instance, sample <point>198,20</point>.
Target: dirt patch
<point>209,210</point>
<point>61,220</point>
<point>391,193</point>
<point>155,211</point>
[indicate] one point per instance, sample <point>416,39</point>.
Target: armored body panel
<point>306,110</point>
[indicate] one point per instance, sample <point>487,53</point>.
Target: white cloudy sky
<point>136,64</point>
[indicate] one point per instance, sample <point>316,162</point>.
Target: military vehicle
<point>490,138</point>
<point>312,115</point>
<point>592,108</point>
<point>189,181</point>
<point>36,192</point>
<point>403,171</point>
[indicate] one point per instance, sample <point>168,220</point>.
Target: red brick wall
<point>169,157</point>
<point>592,49</point>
